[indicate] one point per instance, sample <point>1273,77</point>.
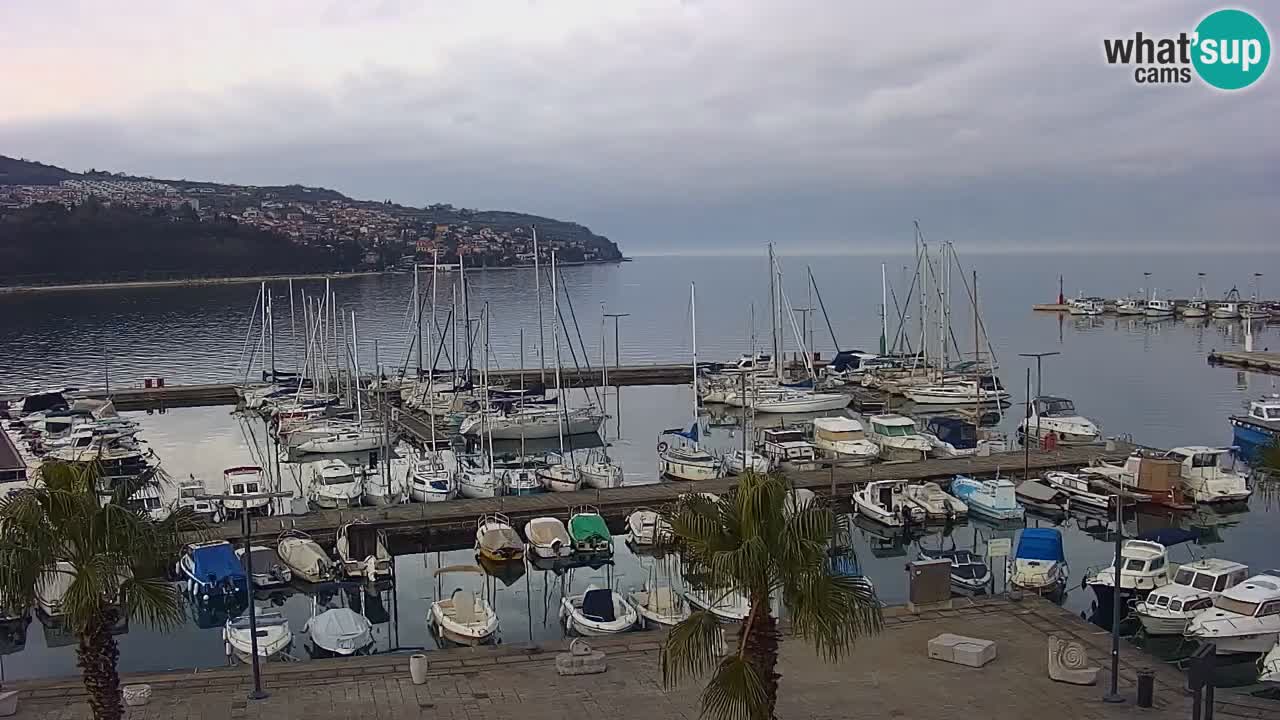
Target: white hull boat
<point>274,636</point>
<point>897,438</point>
<point>548,538</point>
<point>357,440</point>
<point>963,392</point>
<point>362,551</point>
<point>600,475</point>
<point>597,612</point>
<point>886,502</point>
<point>728,606</point>
<point>1057,417</point>
<point>645,527</point>
<point>844,440</point>
<point>560,478</point>
<point>335,485</point>
<point>304,557</point>
<point>464,618</point>
<point>340,631</point>
<point>659,606</point>
<point>737,462</point>
<point>540,424</point>
<point>1205,479</point>
<point>691,464</point>
<point>1242,619</point>
<point>242,481</point>
<point>433,480</point>
<point>936,503</point>
<point>802,402</point>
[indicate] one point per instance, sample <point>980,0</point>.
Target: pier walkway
<point>888,675</point>
<point>427,521</point>
<point>1268,362</point>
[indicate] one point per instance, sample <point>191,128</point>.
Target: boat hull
<point>1158,625</point>
<point>816,403</point>
<point>681,470</point>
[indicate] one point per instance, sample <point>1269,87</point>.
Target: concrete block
<point>8,703</point>
<point>961,650</point>
<point>580,660</point>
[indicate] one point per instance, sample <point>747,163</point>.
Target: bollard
<point>1146,687</point>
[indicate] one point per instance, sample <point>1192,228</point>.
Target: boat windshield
<point>1058,408</point>
<point>1203,582</point>
<point>843,435</point>
<point>190,492</point>
<point>1240,607</point>
<point>337,479</point>
<point>895,430</point>
<point>1204,460</point>
<point>1272,413</point>
<point>1183,577</point>
<point>245,488</point>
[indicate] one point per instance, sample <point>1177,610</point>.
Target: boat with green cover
<point>589,532</point>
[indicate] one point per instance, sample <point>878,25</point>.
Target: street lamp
<point>258,693</point>
<point>1114,695</point>
<point>617,350</point>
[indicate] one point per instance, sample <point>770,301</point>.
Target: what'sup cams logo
<point>1228,50</point>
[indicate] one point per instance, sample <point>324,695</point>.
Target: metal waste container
<point>1146,687</point>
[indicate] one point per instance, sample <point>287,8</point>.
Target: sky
<point>695,126</point>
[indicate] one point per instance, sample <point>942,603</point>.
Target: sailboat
<point>560,476</point>
<point>599,471</point>
<point>476,477</point>
<point>686,460</point>
<point>358,438</point>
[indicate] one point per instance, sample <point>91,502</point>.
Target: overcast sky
<point>696,126</point>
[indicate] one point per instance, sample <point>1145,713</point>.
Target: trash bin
<point>1146,687</point>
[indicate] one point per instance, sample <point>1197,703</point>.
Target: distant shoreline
<point>196,282</point>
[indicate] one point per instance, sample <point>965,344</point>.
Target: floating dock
<point>453,521</point>
<point>1268,362</point>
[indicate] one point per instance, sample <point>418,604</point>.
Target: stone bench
<point>961,650</point>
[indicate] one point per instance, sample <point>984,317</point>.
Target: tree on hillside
<point>746,542</point>
<point>114,557</point>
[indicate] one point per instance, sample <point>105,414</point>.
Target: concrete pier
<point>1267,362</point>
<point>888,675</point>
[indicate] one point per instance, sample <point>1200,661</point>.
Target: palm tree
<point>115,557</point>
<point>746,542</point>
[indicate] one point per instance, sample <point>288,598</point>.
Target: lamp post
<point>1114,695</point>
<point>1039,357</point>
<point>257,693</point>
<point>617,361</point>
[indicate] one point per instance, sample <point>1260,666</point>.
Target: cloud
<point>664,124</point>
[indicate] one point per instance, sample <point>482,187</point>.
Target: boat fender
<point>662,447</point>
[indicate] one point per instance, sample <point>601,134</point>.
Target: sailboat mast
<point>355,361</point>
<point>542,341</point>
<point>604,383</point>
<point>488,426</point>
<point>522,395</point>
<point>884,310</point>
<point>293,329</point>
<point>466,309</point>
<point>693,321</point>
<point>555,341</point>
<point>417,318</point>
<point>431,371</point>
<point>271,334</point>
<point>773,318</point>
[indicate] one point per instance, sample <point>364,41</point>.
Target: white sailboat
<point>600,471</point>
<point>684,459</point>
<point>561,476</point>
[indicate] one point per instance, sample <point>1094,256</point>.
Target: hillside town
<point>386,234</point>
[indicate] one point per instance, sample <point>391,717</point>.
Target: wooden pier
<point>1267,362</point>
<point>451,523</point>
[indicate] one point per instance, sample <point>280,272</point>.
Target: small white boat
<point>1039,564</point>
<point>600,472</point>
<point>1195,309</point>
<point>936,503</point>
<point>534,422</point>
<point>994,499</point>
<point>548,538</point>
<point>788,448</point>
<point>274,636</point>
<point>598,611</point>
<point>1078,489</point>
<point>380,489</point>
<point>726,605</point>
<point>476,479</point>
<point>362,551</point>
<point>645,527</point>
<point>659,606</point>
<point>843,439</point>
<point>1243,618</point>
<point>886,502</point>
<point>304,557</point>
<point>1158,308</point>
<point>1057,416</point>
<point>193,496</point>
<point>560,477</point>
<point>335,485</point>
<point>340,631</point>
<point>897,438</point>
<point>519,476</point>
<point>969,574</point>
<point>1129,306</point>
<point>356,439</point>
<point>1145,568</point>
<point>1229,310</point>
<point>433,477</point>
<point>496,540</point>
<point>736,462</point>
<point>797,500</point>
<point>1168,610</point>
<point>465,617</point>
<point>242,481</point>
<point>269,570</point>
<point>803,401</point>
<point>1254,311</point>
<point>955,392</point>
<point>1084,306</point>
<point>1204,477</point>
<point>687,463</point>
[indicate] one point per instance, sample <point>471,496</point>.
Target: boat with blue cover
<point>1039,564</point>
<point>991,499</point>
<point>212,569</point>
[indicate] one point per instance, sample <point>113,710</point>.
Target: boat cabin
<point>1211,575</point>
<point>1267,409</point>
<point>892,425</point>
<point>787,445</point>
<point>1257,596</point>
<point>245,480</point>
<point>959,434</point>
<point>1144,566</point>
<point>1048,406</point>
<point>838,429</point>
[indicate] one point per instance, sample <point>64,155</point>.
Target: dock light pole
<point>257,693</point>
<point>1114,695</point>
<point>617,349</point>
<point>1039,357</point>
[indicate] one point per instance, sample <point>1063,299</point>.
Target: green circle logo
<point>1232,49</point>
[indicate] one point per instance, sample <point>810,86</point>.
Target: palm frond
<point>691,647</point>
<point>736,692</point>
<point>154,602</point>
<point>831,612</point>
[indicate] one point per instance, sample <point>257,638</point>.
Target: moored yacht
<point>1158,308</point>
<point>1204,478</point>
<point>992,499</point>
<point>1057,417</point>
<point>1039,565</point>
<point>956,392</point>
<point>1144,566</point>
<point>242,482</point>
<point>897,438</point>
<point>887,502</point>
<point>788,448</point>
<point>1260,428</point>
<point>335,485</point>
<point>1168,610</point>
<point>1244,618</point>
<point>843,439</point>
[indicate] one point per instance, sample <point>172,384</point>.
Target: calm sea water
<point>1149,380</point>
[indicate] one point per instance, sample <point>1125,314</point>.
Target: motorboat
<point>335,485</point>
<point>1057,417</point>
<point>465,617</point>
<point>687,462</point>
<point>496,540</point>
<point>788,448</point>
<point>193,496</point>
<point>598,611</point>
<point>969,573</point>
<point>433,477</point>
<point>1036,496</point>
<point>897,438</point>
<point>269,570</point>
<point>589,533</point>
<point>1204,477</point>
<point>1244,618</point>
<point>1168,610</point>
<point>548,538</point>
<point>1195,309</point>
<point>147,500</point>
<point>843,439</point>
<point>240,482</point>
<point>729,606</point>
<point>212,569</point>
<point>886,502</point>
<point>739,461</point>
<point>1079,489</point>
<point>1269,667</point>
<point>992,499</point>
<point>659,606</point>
<point>798,499</point>
<point>362,551</point>
<point>559,477</point>
<point>1145,566</point>
<point>951,437</point>
<point>1130,306</point>
<point>274,636</point>
<point>1228,310</point>
<point>340,631</point>
<point>937,504</point>
<point>356,439</point>
<point>801,401</point>
<point>1038,564</point>
<point>1084,306</point>
<point>955,392</point>
<point>1254,311</point>
<point>646,527</point>
<point>304,557</point>
<point>51,589</point>
<point>1260,428</point>
<point>1158,308</point>
<point>1142,479</point>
